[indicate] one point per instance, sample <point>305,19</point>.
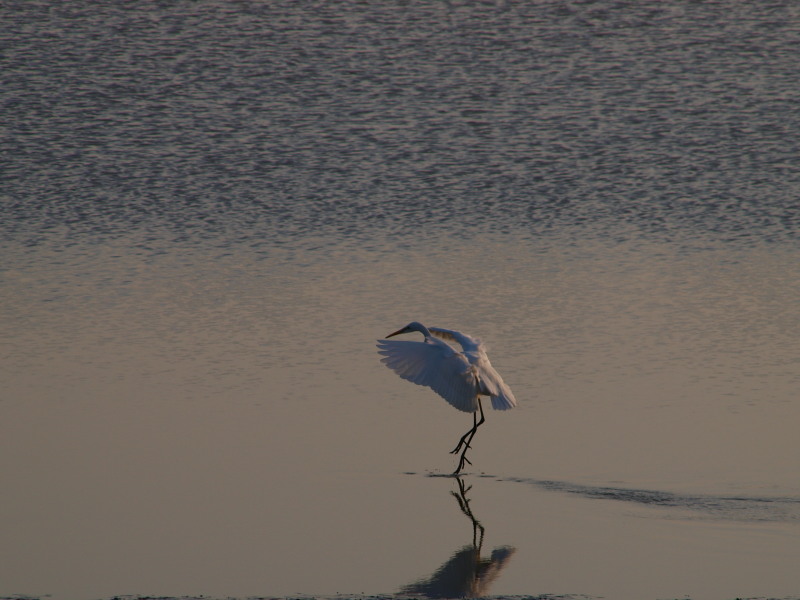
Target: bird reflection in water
<point>466,574</point>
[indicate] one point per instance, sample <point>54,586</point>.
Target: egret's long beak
<point>398,332</point>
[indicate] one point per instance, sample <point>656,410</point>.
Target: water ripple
<point>266,124</point>
<point>738,508</point>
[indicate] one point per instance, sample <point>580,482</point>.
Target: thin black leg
<point>466,440</point>
<point>466,435</point>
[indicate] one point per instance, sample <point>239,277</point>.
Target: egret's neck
<point>422,329</point>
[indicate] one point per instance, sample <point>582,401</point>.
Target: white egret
<point>461,378</point>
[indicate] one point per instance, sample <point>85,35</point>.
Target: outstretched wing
<point>436,365</point>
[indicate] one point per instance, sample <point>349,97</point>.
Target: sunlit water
<point>211,211</point>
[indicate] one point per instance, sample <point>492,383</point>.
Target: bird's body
<point>461,378</point>
<point>458,377</point>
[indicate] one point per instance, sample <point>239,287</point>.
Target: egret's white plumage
<point>461,378</point>
<point>458,377</point>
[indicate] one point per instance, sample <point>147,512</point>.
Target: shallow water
<point>206,230</point>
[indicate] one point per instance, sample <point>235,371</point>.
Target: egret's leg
<point>466,435</point>
<point>471,433</point>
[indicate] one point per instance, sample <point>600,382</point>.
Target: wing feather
<point>436,365</point>
<point>492,384</point>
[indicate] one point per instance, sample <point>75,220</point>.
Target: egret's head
<point>413,326</point>
<point>399,331</point>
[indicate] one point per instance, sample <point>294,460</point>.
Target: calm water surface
<point>211,211</point>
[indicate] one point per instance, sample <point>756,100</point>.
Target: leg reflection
<point>465,574</point>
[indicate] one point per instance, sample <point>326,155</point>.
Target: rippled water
<point>265,122</point>
<point>210,211</point>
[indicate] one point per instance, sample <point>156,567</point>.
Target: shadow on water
<point>466,574</point>
<point>737,508</point>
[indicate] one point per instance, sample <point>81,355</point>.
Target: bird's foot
<point>458,448</point>
<point>461,463</point>
<point>462,442</point>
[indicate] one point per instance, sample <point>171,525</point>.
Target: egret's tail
<point>504,401</point>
